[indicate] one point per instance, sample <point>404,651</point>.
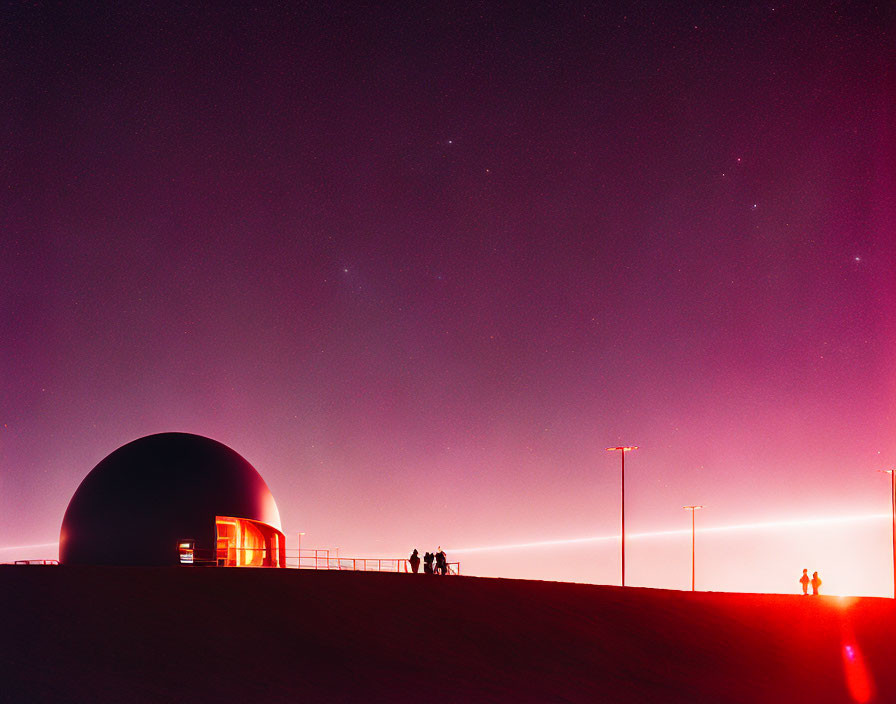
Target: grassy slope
<point>194,635</point>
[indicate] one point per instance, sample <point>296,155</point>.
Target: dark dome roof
<point>139,501</point>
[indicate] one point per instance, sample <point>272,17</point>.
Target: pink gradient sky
<point>421,268</point>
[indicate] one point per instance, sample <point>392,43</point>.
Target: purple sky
<point>420,267</point>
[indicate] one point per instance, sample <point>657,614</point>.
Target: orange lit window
<point>252,550</point>
<point>245,543</point>
<point>228,530</point>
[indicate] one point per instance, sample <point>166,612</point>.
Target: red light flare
<point>856,674</point>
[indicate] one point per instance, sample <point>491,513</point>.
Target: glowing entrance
<point>245,543</point>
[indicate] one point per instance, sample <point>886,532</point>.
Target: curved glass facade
<point>242,542</point>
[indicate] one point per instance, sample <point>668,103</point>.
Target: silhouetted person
<point>414,559</point>
<point>427,563</point>
<point>816,583</point>
<point>441,562</point>
<point>804,580</point>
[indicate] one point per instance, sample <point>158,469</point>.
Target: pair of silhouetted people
<point>439,558</point>
<point>815,582</point>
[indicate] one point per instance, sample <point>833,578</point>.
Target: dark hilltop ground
<point>242,635</point>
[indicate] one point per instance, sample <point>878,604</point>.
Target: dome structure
<point>151,499</point>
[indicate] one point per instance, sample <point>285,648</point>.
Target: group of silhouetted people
<point>439,558</point>
<point>815,582</point>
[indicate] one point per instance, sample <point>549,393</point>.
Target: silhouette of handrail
<point>318,559</point>
<point>308,559</point>
<point>321,559</point>
<point>34,562</point>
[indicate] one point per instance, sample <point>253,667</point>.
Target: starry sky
<point>421,265</point>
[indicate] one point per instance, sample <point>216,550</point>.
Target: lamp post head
<point>622,449</point>
<point>692,508</point>
<point>886,471</point>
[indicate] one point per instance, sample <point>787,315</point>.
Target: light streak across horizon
<point>28,547</point>
<point>765,525</point>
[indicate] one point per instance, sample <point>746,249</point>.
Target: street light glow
<point>693,508</point>
<point>622,449</point>
<point>892,474</point>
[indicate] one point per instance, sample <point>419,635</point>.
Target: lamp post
<point>892,473</point>
<point>300,550</point>
<point>622,450</point>
<point>693,510</point>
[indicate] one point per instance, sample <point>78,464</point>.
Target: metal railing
<point>311,559</point>
<point>36,562</point>
<point>305,559</point>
